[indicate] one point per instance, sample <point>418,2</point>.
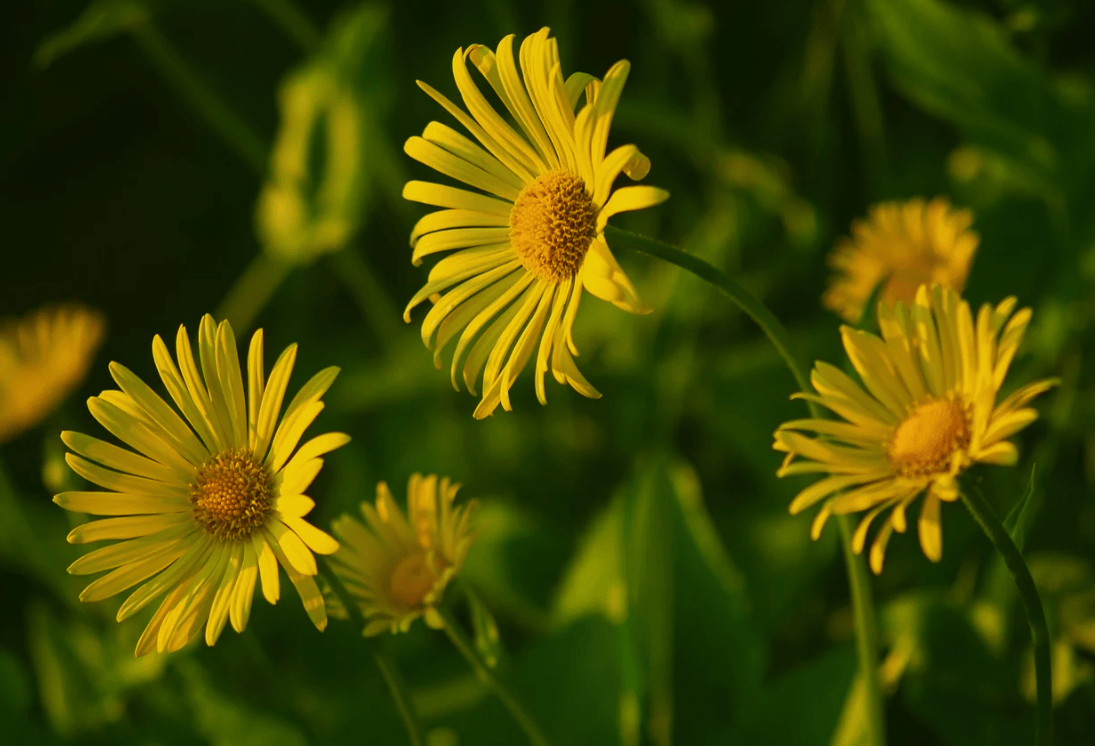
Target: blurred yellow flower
<point>532,238</point>
<point>928,413</point>
<point>395,567</point>
<point>207,508</point>
<point>907,244</point>
<point>43,357</point>
<point>308,208</point>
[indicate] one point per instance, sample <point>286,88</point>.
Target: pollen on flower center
<point>925,441</point>
<point>412,580</point>
<point>552,224</point>
<point>231,494</point>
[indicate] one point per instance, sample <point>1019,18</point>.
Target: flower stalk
<point>486,675</point>
<point>388,670</point>
<point>858,578</point>
<point>983,513</point>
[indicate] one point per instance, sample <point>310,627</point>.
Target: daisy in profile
<point>395,567</point>
<point>528,235</point>
<point>43,357</point>
<point>926,412</point>
<point>203,508</point>
<point>907,244</point>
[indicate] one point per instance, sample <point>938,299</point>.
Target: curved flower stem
<point>520,714</point>
<point>982,512</point>
<point>396,685</point>
<point>858,578</point>
<point>722,282</point>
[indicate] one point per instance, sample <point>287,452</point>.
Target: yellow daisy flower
<point>928,413</point>
<point>532,237</point>
<point>43,357</point>
<point>397,569</point>
<point>911,243</point>
<point>207,505</point>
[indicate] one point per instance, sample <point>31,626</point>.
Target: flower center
<point>552,224</point>
<point>412,580</point>
<point>231,495</point>
<point>924,443</point>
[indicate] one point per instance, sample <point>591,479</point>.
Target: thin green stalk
<point>982,512</point>
<point>209,104</point>
<point>858,578</point>
<point>392,678</point>
<point>252,290</point>
<point>520,714</point>
<point>866,632</point>
<point>745,300</point>
<point>293,21</point>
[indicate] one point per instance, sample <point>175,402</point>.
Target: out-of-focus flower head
<point>43,357</point>
<point>907,244</point>
<point>396,567</point>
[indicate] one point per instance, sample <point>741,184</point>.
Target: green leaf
<point>101,20</point>
<point>649,508</point>
<point>800,707</point>
<point>593,582</point>
<point>1018,518</point>
<point>654,563</point>
<point>850,729</point>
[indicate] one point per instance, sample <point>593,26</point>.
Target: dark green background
<point>773,125</point>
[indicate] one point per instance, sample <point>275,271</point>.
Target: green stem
<point>1032,604</point>
<point>251,291</point>
<point>745,300</point>
<point>520,714</point>
<point>866,632</point>
<point>293,21</point>
<point>392,678</point>
<point>209,104</point>
<point>858,579</point>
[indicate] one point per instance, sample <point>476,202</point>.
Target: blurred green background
<point>636,552</point>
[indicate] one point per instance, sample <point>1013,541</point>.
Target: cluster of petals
<point>164,545</point>
<point>396,566</point>
<point>927,410</point>
<point>524,248</point>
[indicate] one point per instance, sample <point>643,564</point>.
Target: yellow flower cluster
<point>206,502</point>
